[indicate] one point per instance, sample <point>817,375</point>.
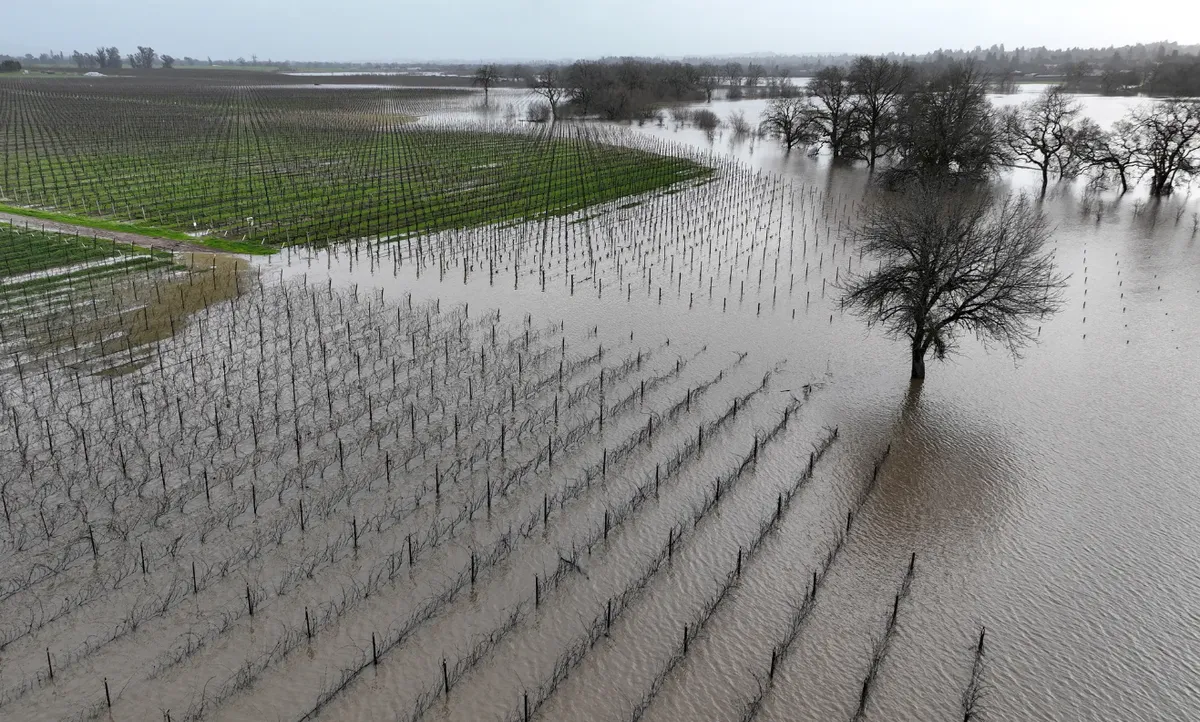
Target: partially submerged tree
<point>710,80</point>
<point>549,85</point>
<point>1039,133</point>
<point>733,74</point>
<point>878,86</point>
<point>755,73</point>
<point>168,62</point>
<point>1005,83</point>
<point>1167,141</point>
<point>793,120</point>
<point>485,77</point>
<point>1074,73</point>
<point>954,260</point>
<point>1107,155</point>
<point>587,83</point>
<point>836,108</point>
<point>948,128</point>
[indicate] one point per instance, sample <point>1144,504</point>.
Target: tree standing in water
<point>954,259</point>
<point>548,84</point>
<point>793,120</point>
<point>1039,133</point>
<point>485,77</point>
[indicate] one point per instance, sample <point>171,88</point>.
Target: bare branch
<point>954,260</point>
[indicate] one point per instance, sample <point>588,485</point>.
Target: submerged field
<point>617,462</point>
<point>286,165</point>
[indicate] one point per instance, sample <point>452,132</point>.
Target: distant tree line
<point>633,88</point>
<point>107,58</point>
<point>1163,68</point>
<point>110,59</point>
<point>924,121</point>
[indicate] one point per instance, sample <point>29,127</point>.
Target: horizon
<point>259,61</point>
<point>533,31</point>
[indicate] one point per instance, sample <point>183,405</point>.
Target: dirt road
<point>120,236</point>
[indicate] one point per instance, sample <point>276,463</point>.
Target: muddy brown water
<point>1051,499</point>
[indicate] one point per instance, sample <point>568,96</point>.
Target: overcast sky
<point>361,30</point>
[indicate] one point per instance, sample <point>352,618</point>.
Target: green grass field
<point>214,242</point>
<point>33,258</point>
<point>27,250</point>
<point>288,165</point>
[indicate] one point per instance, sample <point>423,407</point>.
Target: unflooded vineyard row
<point>283,165</point>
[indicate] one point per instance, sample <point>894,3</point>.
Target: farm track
<point>133,239</point>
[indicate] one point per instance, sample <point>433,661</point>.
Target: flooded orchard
<point>620,459</point>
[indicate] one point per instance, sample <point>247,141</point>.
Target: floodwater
<point>1051,499</point>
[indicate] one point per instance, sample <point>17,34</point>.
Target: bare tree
<point>792,120</point>
<point>733,73</point>
<point>754,73</point>
<point>1039,132</point>
<point>1005,83</point>
<point>954,261</point>
<point>710,80</point>
<point>949,128</point>
<point>549,85</point>
<point>1074,73</point>
<point>1106,154</point>
<point>1167,141</point>
<point>878,86</point>
<point>519,72</point>
<point>835,103</point>
<point>485,77</point>
<point>587,85</point>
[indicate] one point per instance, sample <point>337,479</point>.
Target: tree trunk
<point>1160,185</point>
<point>1045,179</point>
<point>918,363</point>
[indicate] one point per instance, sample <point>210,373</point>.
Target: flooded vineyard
<point>622,456</point>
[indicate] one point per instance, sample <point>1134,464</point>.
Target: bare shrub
<point>738,123</point>
<point>706,119</point>
<point>538,112</point>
